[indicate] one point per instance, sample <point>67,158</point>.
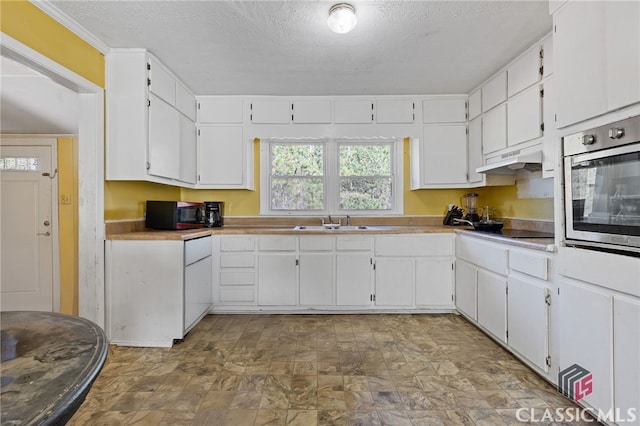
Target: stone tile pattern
<point>366,369</point>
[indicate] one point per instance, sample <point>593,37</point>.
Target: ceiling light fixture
<point>342,18</point>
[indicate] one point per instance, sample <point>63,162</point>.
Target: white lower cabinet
<point>586,336</point>
<point>466,289</point>
<point>316,279</point>
<point>394,282</point>
<point>235,270</point>
<point>277,279</point>
<point>626,355</point>
<point>353,279</point>
<point>492,303</point>
<point>434,283</point>
<point>156,290</point>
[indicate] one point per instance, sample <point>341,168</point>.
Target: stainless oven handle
<point>610,152</point>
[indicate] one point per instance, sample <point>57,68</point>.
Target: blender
<point>470,204</point>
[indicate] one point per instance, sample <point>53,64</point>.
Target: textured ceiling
<point>286,48</point>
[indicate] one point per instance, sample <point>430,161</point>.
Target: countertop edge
<point>540,244</point>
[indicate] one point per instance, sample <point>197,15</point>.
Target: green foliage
<point>365,193</point>
<point>297,160</point>
<point>365,160</point>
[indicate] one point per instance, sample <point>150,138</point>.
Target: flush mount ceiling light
<point>342,18</point>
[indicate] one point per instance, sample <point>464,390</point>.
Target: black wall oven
<point>602,187</point>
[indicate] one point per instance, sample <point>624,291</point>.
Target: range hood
<point>511,162</point>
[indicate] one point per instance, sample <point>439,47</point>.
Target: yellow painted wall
<point>27,24</point>
<point>68,223</point>
<point>125,200</point>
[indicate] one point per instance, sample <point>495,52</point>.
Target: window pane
<point>365,160</point>
<point>365,193</point>
<point>297,160</point>
<point>297,194</point>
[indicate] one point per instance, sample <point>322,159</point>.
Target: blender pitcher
<point>470,203</point>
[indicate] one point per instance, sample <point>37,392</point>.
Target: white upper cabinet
<point>216,110</point>
<point>445,154</point>
<point>352,111</point>
<point>164,137</point>
<point>475,150</point>
<point>596,58</point>
<point>524,72</point>
<point>494,129</point>
<point>444,110</point>
<point>475,104</point>
<point>547,56</point>
<point>160,81</point>
<point>224,158</point>
<point>395,111</point>
<point>622,53</point>
<point>524,116</point>
<point>188,143</point>
<point>312,111</point>
<point>185,101</point>
<point>270,111</point>
<point>494,92</point>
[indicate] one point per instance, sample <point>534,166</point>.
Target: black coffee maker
<point>213,212</point>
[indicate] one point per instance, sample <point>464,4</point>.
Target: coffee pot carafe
<point>213,214</point>
<point>470,204</point>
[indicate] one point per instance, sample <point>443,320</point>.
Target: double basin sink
<point>337,227</point>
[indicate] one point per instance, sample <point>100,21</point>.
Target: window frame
<point>331,178</point>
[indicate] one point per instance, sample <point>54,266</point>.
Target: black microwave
<point>174,215</point>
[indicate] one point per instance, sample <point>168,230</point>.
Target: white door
<point>26,227</point>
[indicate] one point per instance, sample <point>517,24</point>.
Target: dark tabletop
<point>49,362</point>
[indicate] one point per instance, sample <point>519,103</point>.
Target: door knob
<point>46,223</point>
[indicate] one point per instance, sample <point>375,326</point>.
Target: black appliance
<point>174,215</point>
<point>213,214</point>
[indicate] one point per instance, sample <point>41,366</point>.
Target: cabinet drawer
<point>487,256</point>
<point>277,243</point>
<point>316,243</point>
<point>530,264</point>
<point>245,260</point>
<point>353,242</point>
<point>239,278</point>
<point>411,245</point>
<point>237,295</point>
<point>244,243</point>
<point>196,249</point>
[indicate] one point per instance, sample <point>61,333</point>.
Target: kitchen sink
<point>336,227</point>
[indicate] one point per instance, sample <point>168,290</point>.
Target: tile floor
<point>319,369</point>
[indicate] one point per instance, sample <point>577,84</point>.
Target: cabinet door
<point>475,104</point>
<point>316,279</point>
<point>197,291</point>
<point>494,129</point>
<point>626,354</point>
<point>492,303</point>
<point>524,116</point>
<point>188,142</point>
<point>475,150</point>
<point>395,111</point>
<point>185,101</point>
<point>161,83</point>
<point>622,53</point>
<point>524,72</point>
<point>352,111</point>
<point>394,282</point>
<point>270,111</point>
<point>547,56</point>
<point>164,139</point>
<point>580,61</point>
<point>445,154</point>
<point>313,111</point>
<point>444,111</point>
<point>434,283</point>
<point>221,155</point>
<point>466,289</point>
<point>494,92</point>
<point>585,332</point>
<point>353,279</point>
<point>550,142</point>
<point>219,110</point>
<point>277,279</point>
<point>528,315</point>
